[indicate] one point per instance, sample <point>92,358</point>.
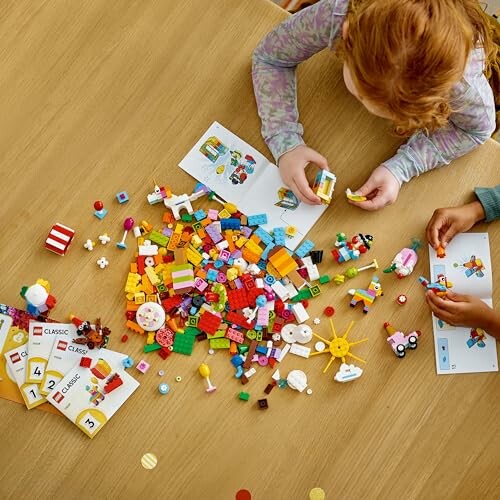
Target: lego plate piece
<point>89,397</point>
<point>240,174</point>
<point>347,373</point>
<point>354,196</point>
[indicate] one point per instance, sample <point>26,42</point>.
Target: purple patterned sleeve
<point>470,125</point>
<point>273,70</point>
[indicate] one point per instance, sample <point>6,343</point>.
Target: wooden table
<point>99,97</point>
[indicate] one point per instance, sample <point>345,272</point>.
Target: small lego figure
<point>38,300</point>
<point>345,250</point>
<point>90,335</point>
<point>366,296</point>
<point>178,202</point>
<point>404,262</point>
<point>399,342</point>
<point>100,211</point>
<point>439,287</point>
<point>440,253</point>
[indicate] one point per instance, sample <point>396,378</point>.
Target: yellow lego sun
<point>338,347</point>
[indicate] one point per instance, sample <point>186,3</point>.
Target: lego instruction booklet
<point>239,174</point>
<point>467,266</point>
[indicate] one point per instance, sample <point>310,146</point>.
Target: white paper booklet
<point>90,396</point>
<point>239,174</point>
<point>467,266</point>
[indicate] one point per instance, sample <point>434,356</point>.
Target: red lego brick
<point>209,323</point>
<point>171,302</point>
<point>237,299</point>
<point>164,352</point>
<point>140,264</point>
<point>253,294</point>
<point>114,382</point>
<point>86,362</point>
<point>238,319</point>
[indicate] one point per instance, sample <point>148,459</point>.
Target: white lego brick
<point>280,290</point>
<point>284,352</point>
<point>292,291</point>
<point>300,350</point>
<point>276,375</point>
<point>300,313</point>
<point>250,372</point>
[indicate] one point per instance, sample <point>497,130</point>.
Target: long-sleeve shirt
<point>318,27</point>
<point>490,199</point>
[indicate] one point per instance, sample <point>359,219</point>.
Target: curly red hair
<point>406,55</point>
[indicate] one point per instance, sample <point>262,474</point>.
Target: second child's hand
<point>292,169</point>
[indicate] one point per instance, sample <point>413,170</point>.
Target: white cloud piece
<point>347,373</point>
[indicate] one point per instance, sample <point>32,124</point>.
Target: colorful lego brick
<point>209,323</point>
<point>235,335</point>
<point>199,215</point>
<point>304,248</point>
<point>143,366</point>
<point>279,236</point>
<point>324,279</point>
<point>213,232</point>
<point>244,396</point>
<point>263,235</point>
<point>212,275</point>
<point>238,320</point>
<point>317,256</point>
<point>222,343</point>
<point>224,214</point>
<point>174,241</point>
<point>59,239</point>
<point>237,299</point>
<point>262,404</point>
<point>193,320</point>
<point>152,276</point>
<point>265,253</point>
<point>193,256</point>
<point>158,238</point>
<point>132,325</point>
<point>257,220</point>
<point>183,343</point>
<point>185,217</point>
<point>282,261</point>
<point>182,278</point>
<point>122,197</point>
<point>232,224</point>
<point>152,347</point>
<point>315,291</point>
<point>324,185</point>
<point>133,280</point>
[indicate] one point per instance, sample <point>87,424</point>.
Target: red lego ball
<point>98,205</point>
<point>329,311</point>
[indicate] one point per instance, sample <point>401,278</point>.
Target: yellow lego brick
<point>193,256</point>
<point>139,298</point>
<point>255,239</point>
<point>133,267</point>
<point>146,285</point>
<point>140,240</point>
<point>224,214</point>
<point>249,256</point>
<point>133,279</point>
<point>253,247</point>
<point>283,262</point>
<point>196,241</point>
<point>240,242</point>
<point>152,276</point>
<point>152,298</point>
<point>174,241</point>
<point>158,258</point>
<point>151,338</point>
<point>178,228</point>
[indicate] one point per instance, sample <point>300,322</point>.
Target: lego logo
<point>58,397</point>
<point>61,345</point>
<point>15,357</point>
<point>37,330</point>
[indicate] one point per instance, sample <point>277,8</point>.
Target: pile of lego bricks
<point>220,278</point>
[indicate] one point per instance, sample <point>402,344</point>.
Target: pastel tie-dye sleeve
<point>273,69</point>
<point>470,125</point>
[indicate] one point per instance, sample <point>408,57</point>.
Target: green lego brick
<point>258,338</point>
<point>222,343</point>
<point>242,349</point>
<point>186,217</point>
<point>152,347</point>
<point>244,396</point>
<point>315,291</point>
<point>324,279</point>
<point>160,287</point>
<point>183,343</point>
<point>193,320</point>
<point>303,294</point>
<point>251,334</point>
<point>158,238</point>
<point>219,334</point>
<point>191,330</point>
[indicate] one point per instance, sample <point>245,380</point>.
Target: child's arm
<point>445,223</point>
<point>465,310</point>
<point>469,126</point>
<point>273,71</point>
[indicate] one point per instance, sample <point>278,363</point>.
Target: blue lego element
<point>270,279</point>
<point>200,215</point>
<point>128,362</point>
<point>304,249</point>
<point>100,214</point>
<point>218,264</point>
<point>261,349</point>
<point>279,236</point>
<point>212,274</point>
<point>204,262</point>
<point>230,224</point>
<point>122,197</point>
<point>266,251</point>
<point>230,261</point>
<point>257,220</point>
<point>263,235</point>
<point>237,361</point>
<point>262,264</point>
<point>239,372</point>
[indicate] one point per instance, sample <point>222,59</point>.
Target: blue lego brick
<point>122,197</point>
<point>212,274</point>
<point>304,249</point>
<point>200,215</point>
<point>266,251</point>
<point>279,236</point>
<point>264,236</point>
<point>257,220</point>
<point>262,264</point>
<point>231,223</point>
<point>237,360</point>
<point>261,349</point>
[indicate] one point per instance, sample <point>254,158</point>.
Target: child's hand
<point>461,310</point>
<point>381,189</point>
<point>445,223</point>
<point>292,165</point>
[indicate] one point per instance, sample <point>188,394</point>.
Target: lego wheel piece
<point>412,342</point>
<point>150,316</point>
<point>400,351</point>
<point>287,333</point>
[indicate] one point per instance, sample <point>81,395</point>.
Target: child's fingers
<point>303,191</point>
<point>433,231</point>
<point>318,159</point>
<point>456,297</point>
<point>436,309</point>
<point>448,235</point>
